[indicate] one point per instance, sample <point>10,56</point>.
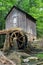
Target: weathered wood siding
<point>21,19</point>
<point>22,22</point>
<point>31,26</point>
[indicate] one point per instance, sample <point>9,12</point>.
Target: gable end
<point>27,15</point>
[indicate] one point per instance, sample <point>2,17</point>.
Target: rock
<point>1,53</point>
<point>40,63</point>
<point>26,60</point>
<point>23,54</point>
<point>25,64</point>
<point>32,58</point>
<point>15,45</point>
<point>15,57</point>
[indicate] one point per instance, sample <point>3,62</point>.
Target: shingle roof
<point>28,15</point>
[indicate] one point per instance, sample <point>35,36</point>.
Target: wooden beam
<point>9,30</point>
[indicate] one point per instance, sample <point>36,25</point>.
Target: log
<point>40,63</point>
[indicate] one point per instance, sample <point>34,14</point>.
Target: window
<point>15,21</point>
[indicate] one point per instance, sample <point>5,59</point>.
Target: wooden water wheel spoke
<point>20,45</point>
<point>21,38</point>
<point>18,34</point>
<point>15,33</point>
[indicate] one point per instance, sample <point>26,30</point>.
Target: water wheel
<point>20,37</point>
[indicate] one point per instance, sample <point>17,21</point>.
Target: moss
<point>40,55</point>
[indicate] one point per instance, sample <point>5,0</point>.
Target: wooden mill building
<point>17,18</point>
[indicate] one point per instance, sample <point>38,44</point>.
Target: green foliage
<point>33,7</point>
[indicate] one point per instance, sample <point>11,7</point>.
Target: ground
<point>22,58</point>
